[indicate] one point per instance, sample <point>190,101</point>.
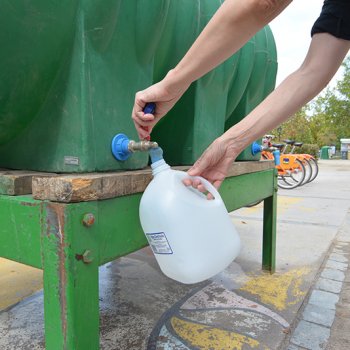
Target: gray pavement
<point>304,305</point>
<point>316,321</point>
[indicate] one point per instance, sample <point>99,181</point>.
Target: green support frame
<point>56,238</point>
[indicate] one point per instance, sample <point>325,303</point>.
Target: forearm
<point>323,60</point>
<point>283,102</point>
<point>234,23</point>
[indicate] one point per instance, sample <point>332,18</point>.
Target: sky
<point>291,30</point>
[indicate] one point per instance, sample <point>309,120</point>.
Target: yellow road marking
<point>283,203</point>
<point>17,281</point>
<point>307,209</point>
<point>279,290</point>
<point>210,338</point>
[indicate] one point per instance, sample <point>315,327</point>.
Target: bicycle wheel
<point>314,165</point>
<point>294,177</point>
<point>308,171</point>
<point>282,183</point>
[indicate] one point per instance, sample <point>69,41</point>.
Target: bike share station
<point>67,205</point>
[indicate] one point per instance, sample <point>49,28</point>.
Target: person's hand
<point>164,94</point>
<point>213,165</point>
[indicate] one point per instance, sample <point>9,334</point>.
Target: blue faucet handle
<point>255,148</point>
<point>150,108</point>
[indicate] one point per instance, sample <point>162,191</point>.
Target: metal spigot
<point>122,147</point>
<point>141,145</point>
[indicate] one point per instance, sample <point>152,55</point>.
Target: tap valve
<point>141,145</point>
<point>122,147</point>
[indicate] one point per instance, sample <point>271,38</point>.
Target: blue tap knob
<point>256,148</point>
<point>150,108</point>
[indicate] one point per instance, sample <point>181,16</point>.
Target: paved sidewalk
<point>340,334</point>
<point>326,310</point>
<point>304,305</point>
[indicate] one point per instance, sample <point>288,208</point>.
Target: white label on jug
<point>159,243</point>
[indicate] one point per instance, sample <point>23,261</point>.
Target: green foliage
<point>296,128</point>
<point>312,149</point>
<point>325,120</point>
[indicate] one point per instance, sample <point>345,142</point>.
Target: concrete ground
<point>304,305</point>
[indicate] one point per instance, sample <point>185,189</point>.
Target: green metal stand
<point>70,241</point>
<point>269,234</point>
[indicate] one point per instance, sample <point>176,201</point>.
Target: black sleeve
<point>334,19</point>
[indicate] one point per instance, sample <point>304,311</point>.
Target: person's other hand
<point>164,94</point>
<point>213,165</point>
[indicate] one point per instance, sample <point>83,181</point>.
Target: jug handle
<point>208,185</point>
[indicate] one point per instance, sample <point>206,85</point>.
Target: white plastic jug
<point>191,237</point>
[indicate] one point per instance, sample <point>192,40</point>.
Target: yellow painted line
<point>289,200</point>
<point>283,203</point>
<point>307,209</point>
<point>278,290</point>
<point>210,338</point>
<point>17,282</point>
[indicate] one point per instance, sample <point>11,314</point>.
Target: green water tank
<point>72,67</point>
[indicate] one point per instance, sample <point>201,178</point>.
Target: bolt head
<point>88,219</point>
<point>87,258</point>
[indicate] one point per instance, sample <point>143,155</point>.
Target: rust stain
<point>56,222</point>
<point>79,256</point>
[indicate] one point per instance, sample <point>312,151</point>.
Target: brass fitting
<point>141,145</point>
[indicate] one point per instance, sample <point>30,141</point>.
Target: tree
<point>296,128</point>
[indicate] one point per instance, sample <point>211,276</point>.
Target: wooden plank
<point>17,182</point>
<point>90,187</point>
<point>71,188</point>
<point>247,167</point>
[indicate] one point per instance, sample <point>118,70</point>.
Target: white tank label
<point>159,243</point>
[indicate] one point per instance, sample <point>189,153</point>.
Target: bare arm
<point>234,23</point>
<point>323,59</point>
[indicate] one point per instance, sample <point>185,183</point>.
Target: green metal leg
<point>70,281</point>
<point>269,231</point>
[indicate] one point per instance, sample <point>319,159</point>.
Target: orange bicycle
<point>309,162</point>
<point>310,159</point>
<point>291,170</point>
